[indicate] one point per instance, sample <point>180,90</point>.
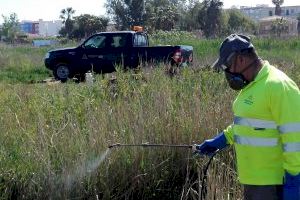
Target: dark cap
<point>233,43</point>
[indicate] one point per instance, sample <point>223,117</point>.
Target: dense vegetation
<point>54,137</point>
<point>207,18</point>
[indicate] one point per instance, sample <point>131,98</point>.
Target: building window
<point>287,12</point>
<point>270,13</point>
<point>292,11</point>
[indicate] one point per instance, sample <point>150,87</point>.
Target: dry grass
<point>52,131</point>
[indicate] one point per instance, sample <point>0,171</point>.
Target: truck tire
<point>62,72</point>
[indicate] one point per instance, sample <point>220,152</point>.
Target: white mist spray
<point>83,170</point>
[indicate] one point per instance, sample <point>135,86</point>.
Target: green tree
<point>166,14</point>
<point>152,14</point>
<point>10,27</point>
<point>86,25</point>
<point>189,17</point>
<point>298,26</point>
<point>67,17</point>
<point>126,13</point>
<point>277,4</point>
<point>238,22</point>
<point>161,17</point>
<point>209,18</point>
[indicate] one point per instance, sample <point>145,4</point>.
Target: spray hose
<point>203,191</point>
<point>204,177</point>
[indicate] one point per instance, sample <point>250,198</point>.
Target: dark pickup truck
<point>102,52</point>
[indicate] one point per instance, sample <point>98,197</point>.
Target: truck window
<point>118,41</point>
<point>98,41</point>
<point>140,40</point>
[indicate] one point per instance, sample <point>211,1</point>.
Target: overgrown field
<point>54,137</point>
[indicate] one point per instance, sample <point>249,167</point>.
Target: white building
<point>262,11</point>
<point>49,28</point>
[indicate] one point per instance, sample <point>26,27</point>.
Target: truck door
<point>105,51</point>
<point>117,51</point>
<point>93,56</point>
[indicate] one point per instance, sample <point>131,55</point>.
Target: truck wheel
<point>62,72</point>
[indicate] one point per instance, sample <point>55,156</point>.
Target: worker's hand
<point>208,147</point>
<point>291,187</point>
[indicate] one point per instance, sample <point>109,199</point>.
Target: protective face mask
<point>236,80</point>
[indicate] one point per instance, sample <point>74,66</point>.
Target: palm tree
<point>66,15</point>
<point>277,4</point>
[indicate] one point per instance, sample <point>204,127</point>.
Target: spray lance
<point>150,145</point>
<point>193,147</point>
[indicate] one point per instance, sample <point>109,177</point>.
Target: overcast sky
<point>50,9</point>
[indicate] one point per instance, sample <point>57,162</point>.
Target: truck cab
<point>106,50</point>
<point>102,52</point>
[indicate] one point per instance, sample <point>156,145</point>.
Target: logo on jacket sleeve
<point>249,100</point>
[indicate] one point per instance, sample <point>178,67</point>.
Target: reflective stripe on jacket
<point>266,128</point>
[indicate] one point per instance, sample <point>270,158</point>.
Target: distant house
<point>29,27</point>
<point>41,28</point>
<point>266,25</point>
<point>262,11</point>
<point>49,28</point>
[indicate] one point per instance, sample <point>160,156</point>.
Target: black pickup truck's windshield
<point>98,41</point>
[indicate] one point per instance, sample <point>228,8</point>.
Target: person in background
<point>266,128</point>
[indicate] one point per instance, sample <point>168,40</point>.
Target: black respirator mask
<point>237,81</point>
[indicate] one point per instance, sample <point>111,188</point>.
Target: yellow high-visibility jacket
<point>266,128</point>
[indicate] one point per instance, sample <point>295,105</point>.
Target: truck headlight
<point>47,55</point>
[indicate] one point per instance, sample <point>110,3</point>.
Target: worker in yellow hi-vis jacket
<point>266,126</point>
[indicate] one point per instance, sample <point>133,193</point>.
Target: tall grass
<point>54,138</point>
<point>22,64</point>
<point>49,131</point>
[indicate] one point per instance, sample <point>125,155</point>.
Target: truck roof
<point>116,32</point>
